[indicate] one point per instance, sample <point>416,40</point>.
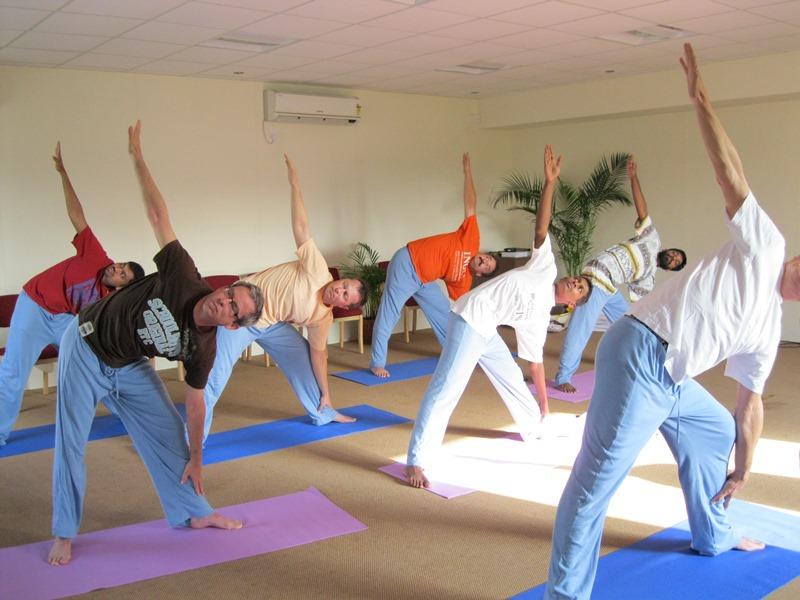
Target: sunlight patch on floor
<point>536,471</point>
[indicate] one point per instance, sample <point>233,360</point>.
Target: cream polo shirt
<point>727,307</point>
<point>521,298</point>
<point>632,262</point>
<point>293,294</point>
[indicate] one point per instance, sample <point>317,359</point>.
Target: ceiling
<point>389,45</point>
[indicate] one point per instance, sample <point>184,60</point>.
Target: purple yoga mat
<point>445,490</point>
<point>582,382</point>
<point>112,557</point>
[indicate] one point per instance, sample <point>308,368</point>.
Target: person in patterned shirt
<point>632,263</point>
<point>413,271</point>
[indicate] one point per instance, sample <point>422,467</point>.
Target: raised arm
<point>638,197</point>
<point>299,216</point>
<point>470,198</point>
<point>74,208</point>
<point>154,204</point>
<point>552,169</point>
<point>721,151</point>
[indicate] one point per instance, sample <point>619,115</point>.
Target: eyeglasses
<point>234,306</point>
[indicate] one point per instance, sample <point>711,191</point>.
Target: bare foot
<point>416,478</point>
<point>340,418</point>
<point>380,372</point>
<point>60,552</point>
<point>566,387</point>
<point>214,520</point>
<point>749,545</point>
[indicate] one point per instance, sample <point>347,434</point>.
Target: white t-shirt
<point>521,298</point>
<point>632,262</point>
<point>727,307</point>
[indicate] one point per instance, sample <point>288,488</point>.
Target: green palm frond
<point>363,264</point>
<point>575,207</point>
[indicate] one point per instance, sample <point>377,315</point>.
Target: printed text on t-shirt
<point>162,331</point>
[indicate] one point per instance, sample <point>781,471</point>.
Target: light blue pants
<point>140,399</point>
<point>634,396</point>
<point>32,328</point>
<point>581,325</point>
<point>289,349</point>
<point>402,282</point>
<point>463,349</point>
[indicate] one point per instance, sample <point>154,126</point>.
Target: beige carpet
<point>417,545</point>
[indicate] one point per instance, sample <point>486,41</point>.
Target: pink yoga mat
<point>582,382</point>
<point>445,490</point>
<point>113,557</point>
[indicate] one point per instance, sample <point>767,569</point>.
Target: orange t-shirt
<point>446,256</point>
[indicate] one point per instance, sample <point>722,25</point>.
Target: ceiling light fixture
<point>647,35</point>
<point>479,68</point>
<point>247,42</point>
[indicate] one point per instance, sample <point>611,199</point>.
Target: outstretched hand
<point>134,139</point>
<point>732,485</point>
<point>631,167</point>
<point>57,159</point>
<point>696,87</point>
<point>194,472</point>
<point>552,165</point>
<point>466,163</point>
<point>294,179</point>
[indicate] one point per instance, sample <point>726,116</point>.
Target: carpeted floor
<point>417,545</point>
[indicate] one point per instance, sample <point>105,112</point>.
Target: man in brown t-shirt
<point>301,292</point>
<point>103,356</point>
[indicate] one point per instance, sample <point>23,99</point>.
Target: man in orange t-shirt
<point>413,271</point>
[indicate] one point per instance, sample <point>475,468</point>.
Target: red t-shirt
<point>446,256</point>
<point>75,282</point>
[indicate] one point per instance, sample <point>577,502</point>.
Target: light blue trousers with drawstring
<point>633,397</point>
<point>138,396</point>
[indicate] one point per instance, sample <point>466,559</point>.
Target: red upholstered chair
<point>48,357</point>
<point>411,308</point>
<point>342,315</point>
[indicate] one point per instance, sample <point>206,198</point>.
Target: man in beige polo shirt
<point>301,292</point>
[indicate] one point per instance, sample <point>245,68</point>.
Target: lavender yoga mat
<point>582,382</point>
<point>113,557</point>
<point>445,490</point>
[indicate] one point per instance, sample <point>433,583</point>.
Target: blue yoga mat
<point>276,435</point>
<point>226,445</point>
<point>411,369</point>
<point>33,439</point>
<point>661,567</point>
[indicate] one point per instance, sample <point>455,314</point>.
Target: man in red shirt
<point>50,300</point>
<point>414,269</point>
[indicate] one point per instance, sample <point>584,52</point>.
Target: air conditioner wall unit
<point>304,108</point>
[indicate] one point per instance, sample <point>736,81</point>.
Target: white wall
<point>393,177</point>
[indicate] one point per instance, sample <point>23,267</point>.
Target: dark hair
<point>258,299</point>
<point>363,292</point>
<point>678,250</point>
<point>589,287</point>
<point>136,269</point>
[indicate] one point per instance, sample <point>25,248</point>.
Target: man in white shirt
<point>727,307</point>
<point>521,298</point>
<point>631,263</point>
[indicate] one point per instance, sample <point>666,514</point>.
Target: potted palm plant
<point>575,208</point>
<point>362,263</point>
